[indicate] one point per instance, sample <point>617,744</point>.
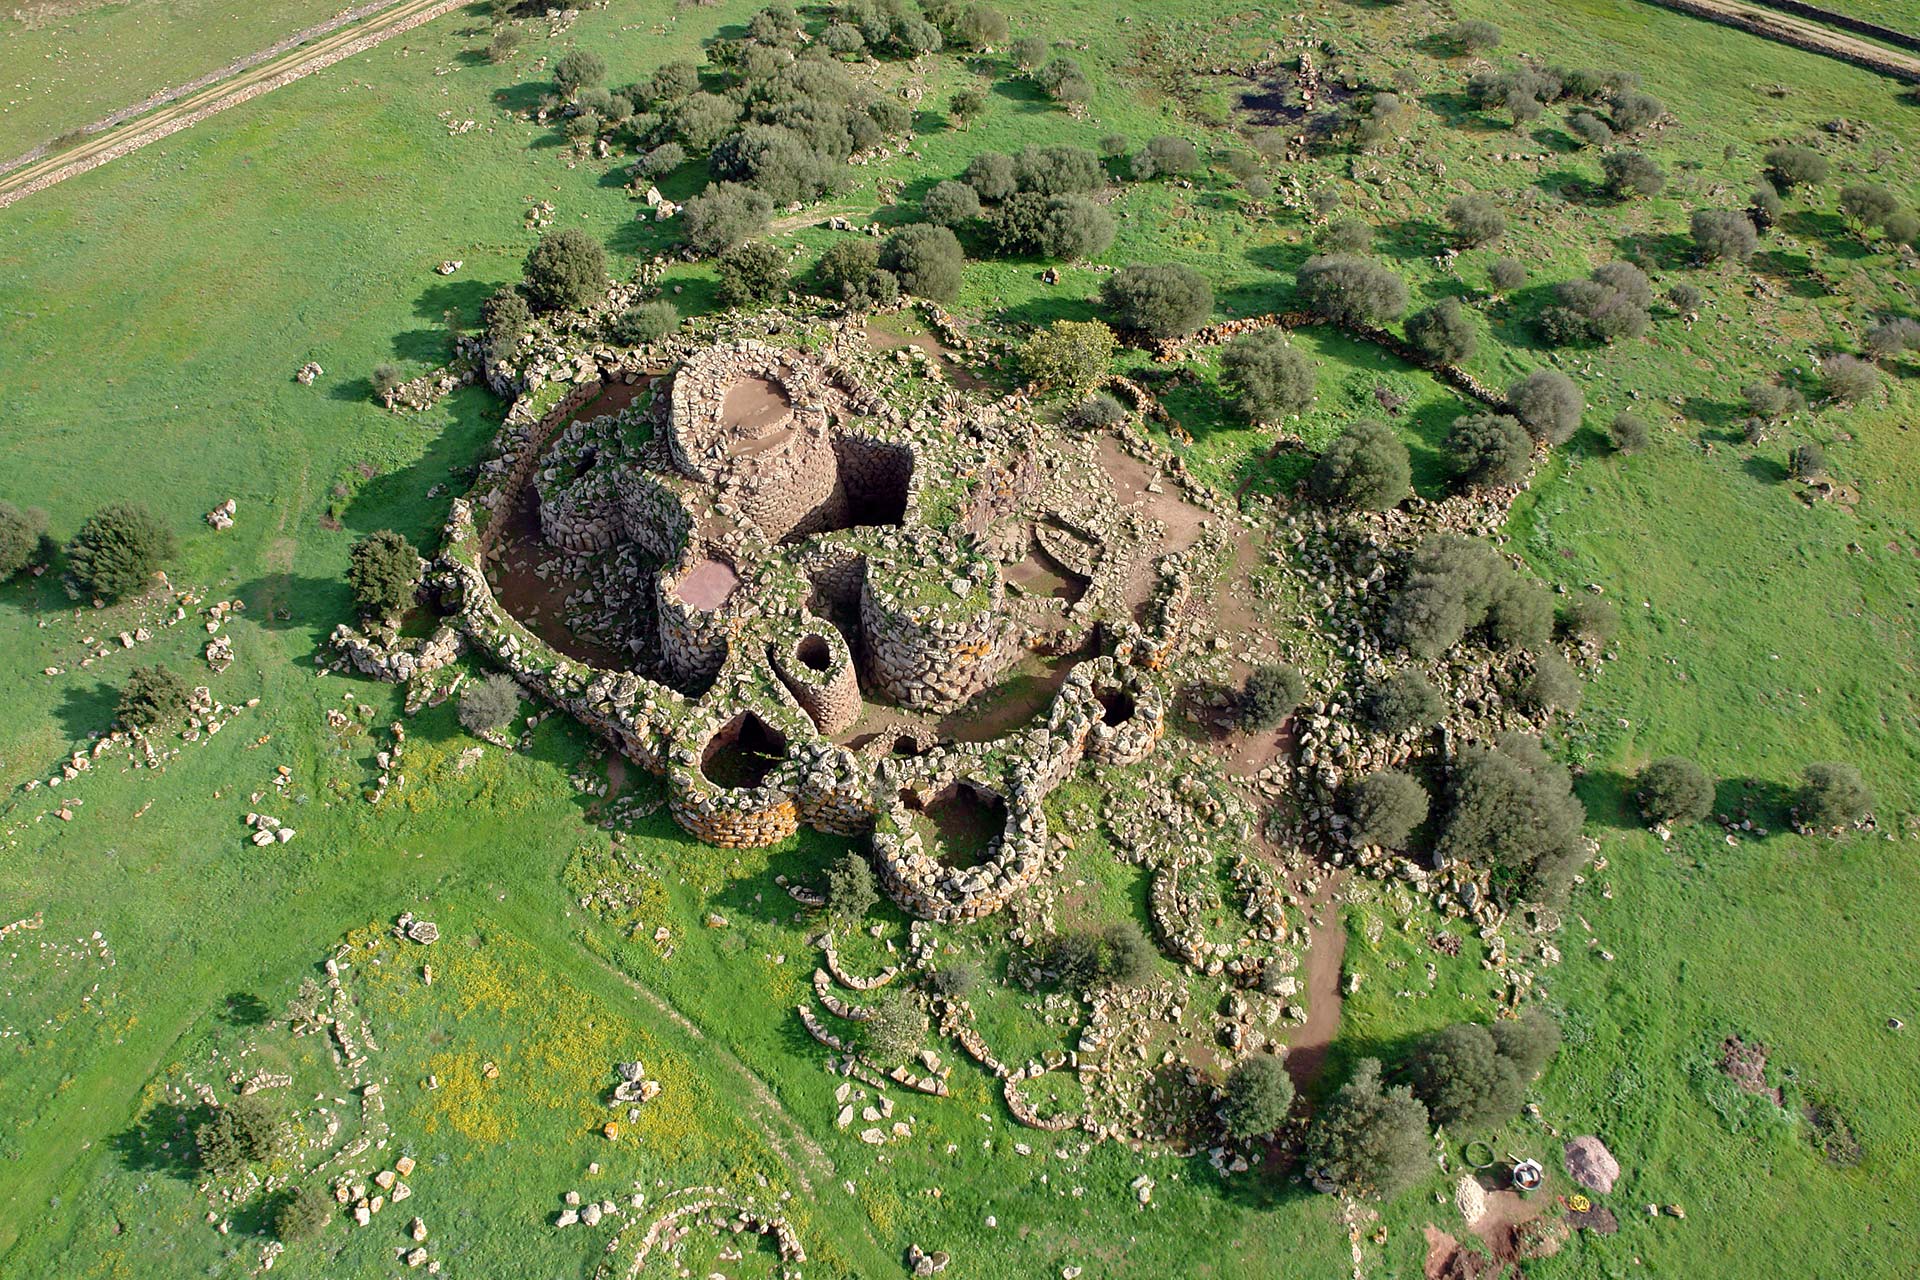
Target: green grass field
<point>152,314</point>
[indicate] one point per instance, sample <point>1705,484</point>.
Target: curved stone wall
<point>934,627</point>
<point>817,668</point>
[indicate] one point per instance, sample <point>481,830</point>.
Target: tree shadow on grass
<point>1410,239</point>
<point>87,710</point>
<point>1763,801</point>
<point>244,1009</point>
<point>161,1141</point>
<point>352,391</point>
<point>1765,470</point>
<point>464,297</point>
<point>428,347</point>
<point>1043,309</point>
<point>271,598</point>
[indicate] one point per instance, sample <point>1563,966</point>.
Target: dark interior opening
<point>962,821</point>
<point>814,653</point>
<point>871,489</point>
<point>1117,706</point>
<point>742,754</point>
<point>906,745</point>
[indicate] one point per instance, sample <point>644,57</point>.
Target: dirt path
<point>1326,952</point>
<point>191,108</point>
<point>1801,34</point>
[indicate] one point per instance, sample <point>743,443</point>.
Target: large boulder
<point>1590,1164</point>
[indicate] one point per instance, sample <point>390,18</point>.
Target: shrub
<point>507,318</point>
<point>1611,303</point>
<point>1444,332</point>
<point>1267,377</point>
<point>1027,51</point>
<point>1628,174</point>
<point>661,160</point>
<point>1370,1140</point>
<point>1891,337</point>
<point>852,890</point>
<point>776,24</point>
<point>1723,234</point>
<point>843,39</point>
<point>1848,379</point>
<point>702,119</point>
<point>1806,461</point>
<point>781,162</point>
<point>1366,467</point>
<point>1097,412</point>
<point>303,1214</point>
<point>1269,696</point>
<point>1589,129</point>
<point>1506,274</point>
<point>1350,290</point>
<point>671,82</point>
<point>505,43</point>
<point>383,569</point>
<point>1476,220</point>
<point>1685,298</point>
<point>1162,301</point>
<point>979,26</point>
<point>955,980</point>
<point>488,705</point>
<point>1832,795</point>
<point>1548,405</point>
<point>1057,170</point>
<point>1474,36</point>
<point>1528,1041</point>
<point>1402,702</point>
<point>992,175</point>
<point>242,1132</point>
<point>1383,808</point>
<point>950,203</point>
<point>1259,1092</point>
<point>386,381</point>
<point>1346,237</point>
<point>566,270</point>
<point>1456,584</point>
<point>724,215</point>
<point>1071,354</point>
<point>1633,111</point>
<point>578,70</point>
<point>152,698</point>
<point>1487,449</point>
<point>925,259</point>
<point>1790,167</point>
<point>118,550</point>
<point>1674,790</point>
<point>1067,227</point>
<point>1764,207</point>
<point>1868,204</point>
<point>1628,432</point>
<point>1064,81</point>
<point>1590,619</point>
<point>1902,226</point>
<point>1552,685</point>
<point>1166,157</point>
<point>897,1028</point>
<point>1512,809</point>
<point>1116,955</point>
<point>644,322</point>
<point>754,272</point>
<point>23,539</point>
<point>1459,1073</point>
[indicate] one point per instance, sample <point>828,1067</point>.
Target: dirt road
<point>1801,34</point>
<point>191,108</point>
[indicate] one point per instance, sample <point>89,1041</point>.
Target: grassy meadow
<point>153,313</point>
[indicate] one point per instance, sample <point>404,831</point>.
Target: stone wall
<point>935,656</point>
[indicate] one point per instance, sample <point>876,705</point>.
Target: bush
<point>118,550</point>
<point>1723,234</point>
<point>1476,220</point>
<point>1271,693</point>
<point>1528,1041</point>
<point>1487,449</point>
<point>850,271</point>
<point>1117,955</point>
<point>303,1214</point>
<point>1027,51</point>
<point>1266,377</point>
<point>386,381</point>
<point>1459,1073</point>
<point>1402,702</point>
<point>1764,207</point>
<point>852,890</point>
<point>979,26</point>
<point>1166,157</point>
<point>1072,354</point>
<point>1162,301</point>
<point>1628,174</point>
<point>505,43</point>
<point>1548,405</point>
<point>1063,80</point>
<point>1067,227</point>
<point>950,203</point>
<point>1383,808</point>
<point>1628,433</point>
<point>1057,170</point>
<point>566,270</point>
<point>488,705</point>
<point>1611,303</point>
<point>1511,809</point>
<point>1848,379</point>
<point>925,259</point>
<point>1833,795</point>
<point>1456,584</point>
<point>1868,204</point>
<point>1347,237</point>
<point>1634,111</point>
<point>1473,36</point>
<point>780,162</point>
<point>1790,167</point>
<point>1891,337</point>
<point>955,980</point>
<point>1506,274</point>
<point>1350,290</point>
<point>1590,620</point>
<point>1902,226</point>
<point>383,569</point>
<point>578,70</point>
<point>1259,1092</point>
<point>724,215</point>
<point>843,39</point>
<point>1097,412</point>
<point>244,1131</point>
<point>1369,1140</point>
<point>23,539</point>
<point>755,272</point>
<point>1674,790</point>
<point>507,317</point>
<point>1366,467</point>
<point>1589,129</point>
<point>1552,685</point>
<point>897,1028</point>
<point>1444,332</point>
<point>644,322</point>
<point>152,698</point>
<point>992,175</point>
<point>1806,461</point>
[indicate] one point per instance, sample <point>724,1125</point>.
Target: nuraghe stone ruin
<point>794,532</point>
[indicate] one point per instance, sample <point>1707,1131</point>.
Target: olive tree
<point>566,270</point>
<point>1259,1093</point>
<point>1161,301</point>
<point>1675,791</point>
<point>1383,808</point>
<point>1366,467</point>
<point>1350,290</point>
<point>1266,376</point>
